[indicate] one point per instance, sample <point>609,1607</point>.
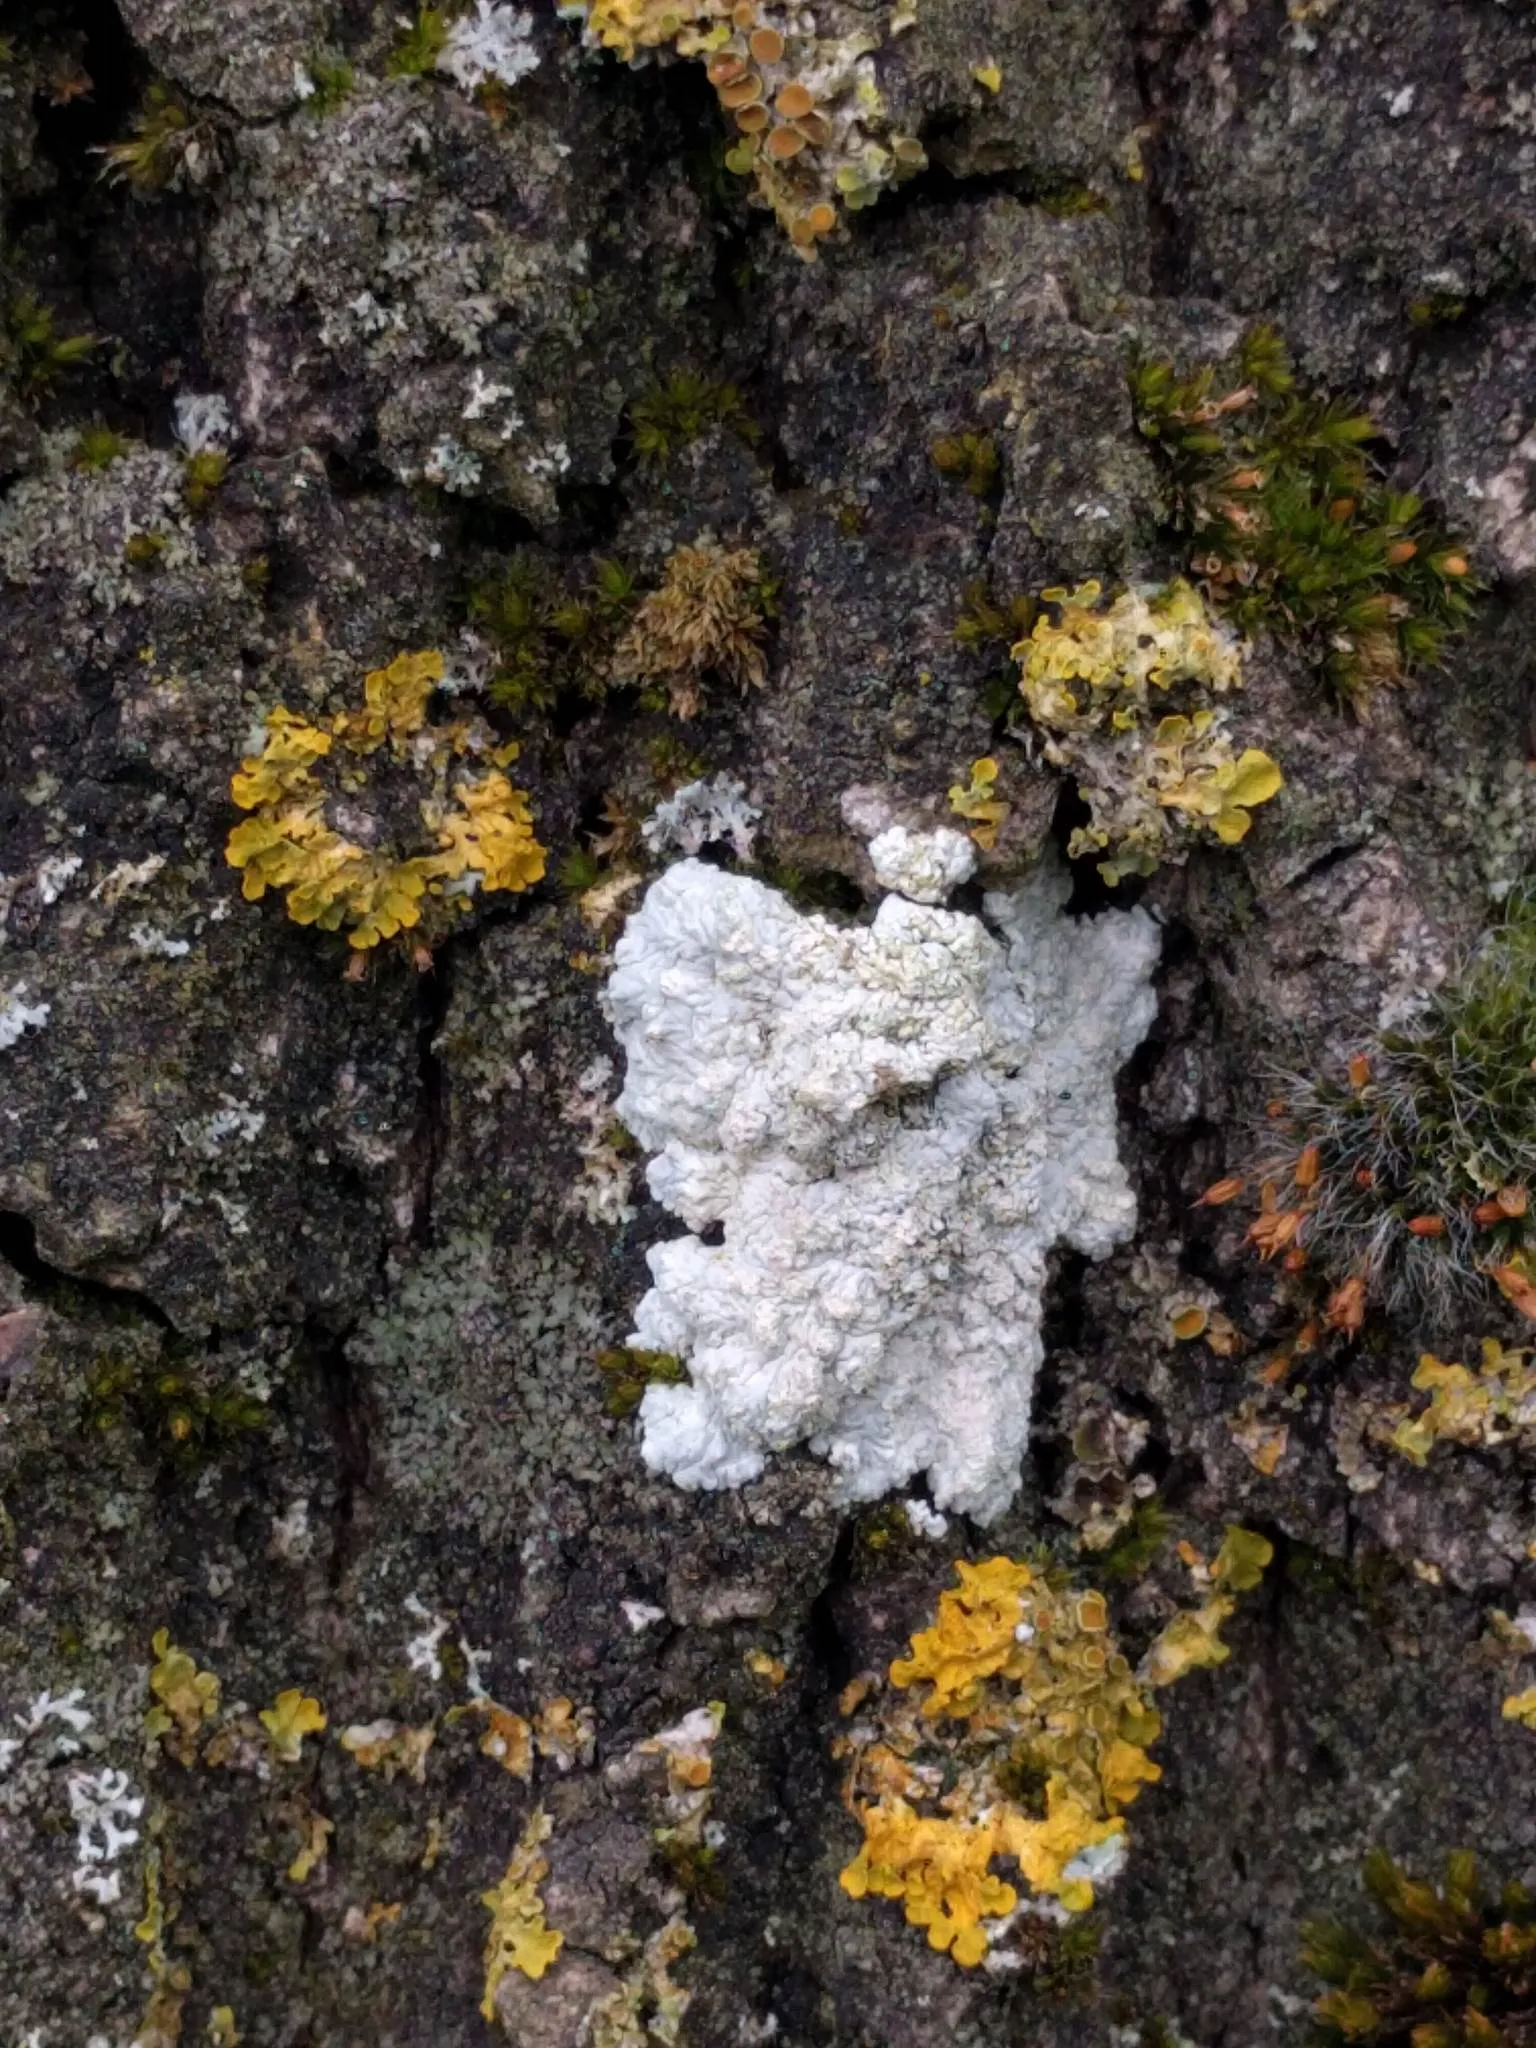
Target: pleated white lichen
<point>892,1125</point>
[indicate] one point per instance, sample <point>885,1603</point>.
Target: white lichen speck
<point>894,1125</point>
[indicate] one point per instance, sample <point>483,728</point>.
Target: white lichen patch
<point>926,866</point>
<point>17,1015</point>
<point>705,813</point>
<point>893,1125</point>
<point>77,524</point>
<point>102,1803</point>
<point>492,43</point>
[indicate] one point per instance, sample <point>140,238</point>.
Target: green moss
<point>627,1373</point>
<point>204,472</point>
<point>1290,522</point>
<point>332,78</point>
<point>98,448</point>
<point>176,1404</point>
<point>1446,1967</point>
<point>33,355</point>
<point>970,459</point>
<point>682,408</point>
<point>551,640</point>
<point>1135,1549</point>
<point>166,147</point>
<point>695,1869</point>
<point>419,48</point>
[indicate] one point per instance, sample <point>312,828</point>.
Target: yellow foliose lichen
<point>519,1938</point>
<point>811,127</point>
<point>184,1698</point>
<point>291,1717</point>
<point>335,835</point>
<point>1017,1685</point>
<point>1097,679</point>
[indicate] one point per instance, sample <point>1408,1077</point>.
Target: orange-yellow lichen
<point>812,129</point>
<point>1092,676</point>
<point>519,1938</point>
<point>291,1716</point>
<point>1018,1679</point>
<point>1023,1733</point>
<point>338,846</point>
<point>184,1698</point>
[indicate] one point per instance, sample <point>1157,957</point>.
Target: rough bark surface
<point>299,1304</point>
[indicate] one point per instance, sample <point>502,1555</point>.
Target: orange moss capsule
<point>1359,1071</point>
<point>1341,509</point>
<point>1365,1177</point>
<point>1427,1226</point>
<point>784,143</point>
<point>794,101</point>
<point>1275,1108</point>
<point>1512,1200</point>
<point>1486,1214</point>
<point>1220,1191</point>
<point>1451,565</point>
<point>1402,551</point>
<point>766,45</point>
<point>1308,1166</point>
<point>1346,1307</point>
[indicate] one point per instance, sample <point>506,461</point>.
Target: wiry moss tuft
<point>1407,1179</point>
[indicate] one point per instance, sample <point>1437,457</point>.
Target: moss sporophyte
<point>339,808</point>
<point>1291,524</point>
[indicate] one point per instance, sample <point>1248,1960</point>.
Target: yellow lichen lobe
<point>291,1717</point>
<point>306,834</point>
<point>519,1938</point>
<point>184,1698</point>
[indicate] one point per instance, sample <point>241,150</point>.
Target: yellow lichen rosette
<point>337,853</point>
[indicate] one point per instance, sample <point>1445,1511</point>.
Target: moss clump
<point>970,459</point>
<point>33,354</point>
<point>1291,524</point>
<point>627,1373</point>
<point>97,448</point>
<point>331,80</point>
<point>709,618</point>
<point>679,410</point>
<point>417,52</point>
<point>1407,1179</point>
<point>1449,1967</point>
<point>1135,1549</point>
<point>550,640</point>
<point>174,1404</point>
<point>167,149</point>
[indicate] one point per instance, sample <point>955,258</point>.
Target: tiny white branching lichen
<point>494,42</point>
<point>711,812</point>
<point>894,1125</point>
